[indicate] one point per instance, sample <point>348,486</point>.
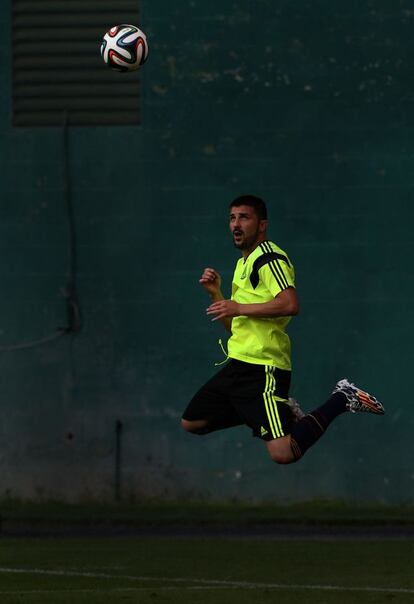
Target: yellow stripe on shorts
<point>266,402</point>
<point>271,403</point>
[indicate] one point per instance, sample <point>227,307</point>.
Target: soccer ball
<point>124,48</point>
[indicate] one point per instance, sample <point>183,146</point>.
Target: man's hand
<point>223,309</point>
<point>211,281</point>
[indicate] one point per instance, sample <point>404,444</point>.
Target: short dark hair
<point>252,201</point>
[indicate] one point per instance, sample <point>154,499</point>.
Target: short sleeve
<point>276,273</point>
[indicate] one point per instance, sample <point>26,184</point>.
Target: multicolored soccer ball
<point>124,48</point>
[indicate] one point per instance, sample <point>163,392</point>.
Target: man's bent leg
<point>306,432</point>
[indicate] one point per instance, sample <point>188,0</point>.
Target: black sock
<point>310,428</point>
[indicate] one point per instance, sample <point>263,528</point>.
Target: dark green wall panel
<point>310,105</point>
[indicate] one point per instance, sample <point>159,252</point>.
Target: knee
<point>281,458</point>
<point>187,425</point>
<point>280,451</point>
<point>194,427</point>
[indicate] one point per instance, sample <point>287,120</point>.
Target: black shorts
<point>243,393</point>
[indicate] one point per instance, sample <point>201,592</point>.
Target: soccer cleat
<point>359,400</point>
<point>296,409</point>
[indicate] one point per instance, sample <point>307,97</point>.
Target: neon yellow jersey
<point>265,273</point>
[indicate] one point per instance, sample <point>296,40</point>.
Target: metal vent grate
<point>57,67</point>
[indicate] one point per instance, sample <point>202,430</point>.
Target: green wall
<point>308,104</point>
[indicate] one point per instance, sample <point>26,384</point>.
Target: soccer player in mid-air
<point>253,386</point>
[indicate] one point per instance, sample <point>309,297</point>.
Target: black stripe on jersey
<point>276,264</point>
<point>265,258</point>
<point>279,266</point>
<point>271,258</point>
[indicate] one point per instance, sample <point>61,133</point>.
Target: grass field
<point>203,570</point>
<point>313,553</point>
<point>48,514</point>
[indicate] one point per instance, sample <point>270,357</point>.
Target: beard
<point>245,242</point>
